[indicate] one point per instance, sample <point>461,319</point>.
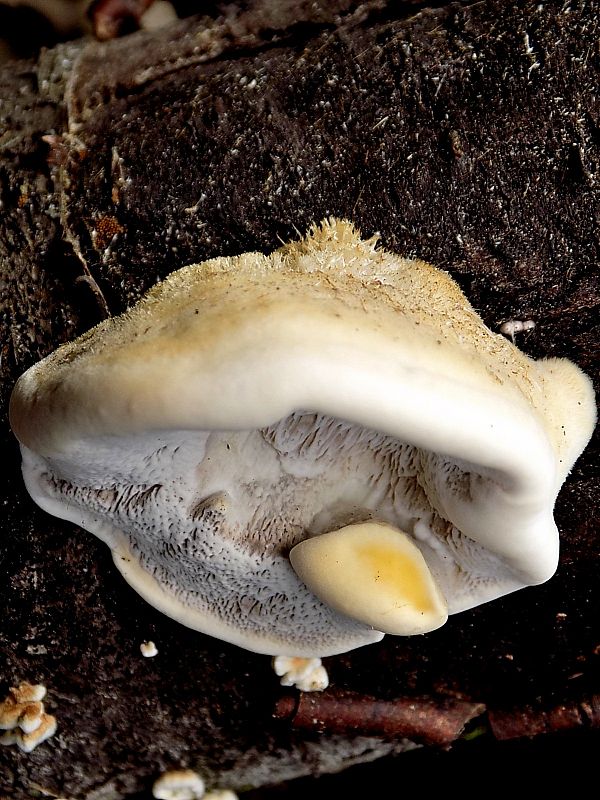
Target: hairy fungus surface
<point>248,406</point>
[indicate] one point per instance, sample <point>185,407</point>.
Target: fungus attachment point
<point>248,404</point>
<point>373,573</point>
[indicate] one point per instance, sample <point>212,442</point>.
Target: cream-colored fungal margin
<point>23,718</point>
<point>254,407</point>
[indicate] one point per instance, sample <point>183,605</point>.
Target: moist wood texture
<point>467,136</point>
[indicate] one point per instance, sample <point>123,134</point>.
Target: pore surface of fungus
<point>249,405</point>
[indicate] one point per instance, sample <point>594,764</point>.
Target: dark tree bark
<point>467,135</point>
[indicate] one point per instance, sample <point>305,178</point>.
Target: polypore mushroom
<point>252,406</point>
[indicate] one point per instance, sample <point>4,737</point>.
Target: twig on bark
<point>531,721</point>
<point>434,722</point>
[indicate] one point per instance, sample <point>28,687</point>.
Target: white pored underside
<point>201,523</point>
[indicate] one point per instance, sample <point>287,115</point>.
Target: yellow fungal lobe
<point>374,573</point>
<point>397,572</point>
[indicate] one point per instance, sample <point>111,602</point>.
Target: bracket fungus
<point>23,718</point>
<point>331,401</point>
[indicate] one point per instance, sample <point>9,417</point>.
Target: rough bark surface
<point>468,136</point>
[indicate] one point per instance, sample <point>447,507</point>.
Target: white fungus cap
<point>248,404</point>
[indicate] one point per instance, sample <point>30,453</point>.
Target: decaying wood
<point>466,135</point>
<point>533,720</point>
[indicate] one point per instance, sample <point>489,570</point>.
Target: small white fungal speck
<point>178,784</point>
<point>306,674</point>
<point>148,649</point>
<point>513,326</point>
